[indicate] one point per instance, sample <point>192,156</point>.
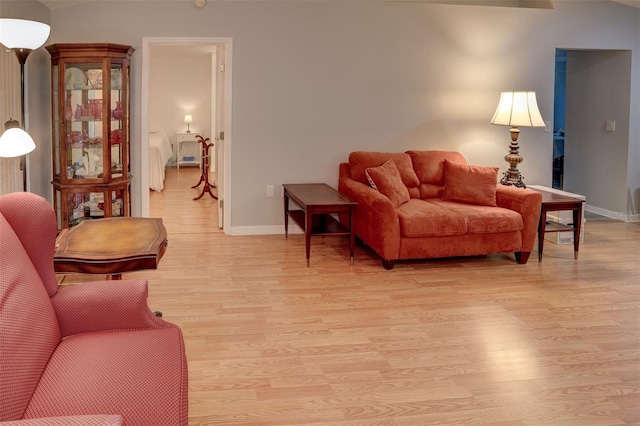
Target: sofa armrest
<point>526,202</point>
<point>93,420</point>
<point>104,305</point>
<point>376,220</point>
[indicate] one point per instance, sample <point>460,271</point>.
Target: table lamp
<point>516,109</point>
<point>188,119</point>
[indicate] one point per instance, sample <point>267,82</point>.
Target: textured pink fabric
<point>116,359</point>
<point>29,330</point>
<point>131,373</point>
<point>104,305</point>
<point>96,420</point>
<point>33,220</point>
<point>386,179</point>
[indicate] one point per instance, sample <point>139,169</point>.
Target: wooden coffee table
<point>317,202</point>
<point>111,246</point>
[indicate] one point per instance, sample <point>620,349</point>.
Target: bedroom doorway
<point>217,116</point>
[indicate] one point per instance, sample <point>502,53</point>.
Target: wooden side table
<point>317,202</point>
<point>553,202</point>
<point>111,246</point>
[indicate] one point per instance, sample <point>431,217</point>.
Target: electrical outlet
<point>270,191</point>
<point>610,126</point>
<point>547,126</point>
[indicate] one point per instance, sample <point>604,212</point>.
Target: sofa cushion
<point>483,219</point>
<point>435,217</point>
<point>115,372</point>
<point>386,179</point>
<point>429,165</point>
<point>359,161</point>
<point>420,218</point>
<point>470,184</point>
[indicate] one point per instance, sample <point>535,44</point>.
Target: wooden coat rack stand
<point>204,163</point>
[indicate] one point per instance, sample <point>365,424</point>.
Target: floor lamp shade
<point>23,34</point>
<point>16,142</point>
<point>516,109</point>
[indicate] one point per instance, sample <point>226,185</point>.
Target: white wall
<point>179,85</point>
<point>314,80</point>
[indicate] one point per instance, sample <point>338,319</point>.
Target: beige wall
<point>314,80</point>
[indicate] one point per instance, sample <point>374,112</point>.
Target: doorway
<point>593,116</point>
<point>221,120</point>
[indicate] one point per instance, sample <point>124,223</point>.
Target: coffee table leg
<point>577,224</point>
<point>307,234</point>
<point>286,214</point>
<point>541,227</point>
<point>352,237</point>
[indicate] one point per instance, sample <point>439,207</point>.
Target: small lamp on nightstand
<point>188,119</point>
<point>516,109</point>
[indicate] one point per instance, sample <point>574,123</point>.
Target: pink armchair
<point>87,354</point>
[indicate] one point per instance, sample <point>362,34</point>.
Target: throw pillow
<point>469,184</point>
<point>386,179</point>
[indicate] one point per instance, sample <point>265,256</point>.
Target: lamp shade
<point>15,142</point>
<point>188,119</point>
<point>23,34</point>
<point>518,109</point>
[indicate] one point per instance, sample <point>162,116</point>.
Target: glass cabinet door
<point>83,121</point>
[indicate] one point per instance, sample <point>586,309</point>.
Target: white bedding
<point>159,155</point>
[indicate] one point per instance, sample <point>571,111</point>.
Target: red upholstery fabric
<point>386,179</point>
<point>429,165</point>
<point>92,349</point>
<point>435,227</point>
<point>470,184</point>
<point>362,160</point>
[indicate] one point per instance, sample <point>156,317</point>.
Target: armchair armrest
<point>93,420</point>
<point>104,305</point>
<point>526,202</point>
<point>376,221</point>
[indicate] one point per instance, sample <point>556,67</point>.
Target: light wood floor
<point>478,340</point>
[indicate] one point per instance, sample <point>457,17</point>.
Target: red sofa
<point>87,354</point>
<point>430,204</point>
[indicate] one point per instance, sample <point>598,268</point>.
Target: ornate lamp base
<point>512,177</point>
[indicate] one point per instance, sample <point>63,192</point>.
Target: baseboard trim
<point>265,230</point>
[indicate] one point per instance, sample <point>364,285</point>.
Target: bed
<point>160,153</point>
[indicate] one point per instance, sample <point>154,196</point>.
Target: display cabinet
<point>90,112</point>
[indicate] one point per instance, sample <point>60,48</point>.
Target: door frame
<point>227,42</point>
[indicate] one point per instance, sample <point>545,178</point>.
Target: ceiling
<point>54,4</point>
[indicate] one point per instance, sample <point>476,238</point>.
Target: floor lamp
<point>22,37</point>
<point>516,109</point>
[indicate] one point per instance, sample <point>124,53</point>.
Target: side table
<point>111,246</point>
<point>317,202</point>
<point>552,202</point>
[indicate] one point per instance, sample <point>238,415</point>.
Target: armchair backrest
<point>29,331</point>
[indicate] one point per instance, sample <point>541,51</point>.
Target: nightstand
<point>186,149</point>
